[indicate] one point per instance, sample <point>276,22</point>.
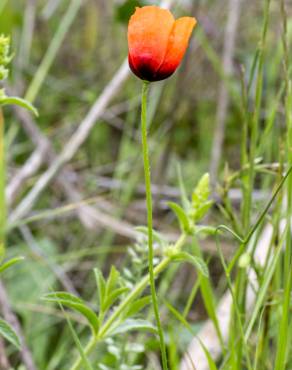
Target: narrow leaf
<point>134,325</point>
<point>210,360</point>
<point>9,334</point>
<point>112,280</point>
<point>13,100</point>
<point>181,216</point>
<point>10,263</point>
<point>194,260</point>
<point>100,282</point>
<point>111,298</point>
<point>138,305</point>
<point>184,199</point>
<point>75,303</point>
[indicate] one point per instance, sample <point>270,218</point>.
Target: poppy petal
<point>148,37</point>
<point>178,43</point>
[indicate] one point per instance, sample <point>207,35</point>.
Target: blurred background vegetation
<point>107,170</point>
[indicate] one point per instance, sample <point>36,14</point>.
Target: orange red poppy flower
<point>157,42</point>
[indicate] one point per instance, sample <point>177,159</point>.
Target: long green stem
<point>147,175</point>
<point>256,118</point>
<point>244,242</point>
<point>138,289</point>
<point>283,338</point>
<point>2,189</point>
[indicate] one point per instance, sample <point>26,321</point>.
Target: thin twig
<point>76,140</point>
<point>72,146</point>
<point>30,167</point>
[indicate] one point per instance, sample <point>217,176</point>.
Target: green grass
<point>74,53</point>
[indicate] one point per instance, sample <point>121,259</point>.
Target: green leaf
<point>112,280</point>
<point>9,334</point>
<point>111,298</point>
<point>100,282</point>
<point>14,100</point>
<point>200,202</point>
<point>209,297</point>
<point>138,305</point>
<point>206,230</point>
<point>134,325</point>
<point>181,216</point>
<point>194,260</point>
<point>10,263</point>
<point>75,303</point>
<point>211,362</point>
<point>81,351</point>
<point>201,211</point>
<point>180,318</point>
<point>202,191</point>
<point>184,199</point>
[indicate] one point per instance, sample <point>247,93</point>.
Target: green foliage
<point>67,82</point>
<point>195,210</point>
<point>195,261</point>
<point>13,100</point>
<point>75,303</point>
<point>5,265</point>
<point>200,199</point>
<point>9,334</point>
<point>108,291</point>
<point>6,331</point>
<point>5,57</point>
<point>124,10</point>
<point>136,306</point>
<point>182,216</point>
<point>133,325</point>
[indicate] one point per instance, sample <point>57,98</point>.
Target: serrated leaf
<point>181,216</point>
<point>194,260</point>
<point>9,334</point>
<point>10,263</point>
<point>75,303</point>
<point>134,325</point>
<point>112,297</point>
<point>14,100</point>
<point>138,305</point>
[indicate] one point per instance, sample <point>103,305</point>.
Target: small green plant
<point>119,303</point>
<point>5,57</point>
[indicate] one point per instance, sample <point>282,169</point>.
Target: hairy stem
<point>147,175</point>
